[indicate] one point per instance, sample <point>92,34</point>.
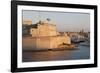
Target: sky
<point>65,21</point>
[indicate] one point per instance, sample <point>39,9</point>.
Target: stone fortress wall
<point>44,36</point>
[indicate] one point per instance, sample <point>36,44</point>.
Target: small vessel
<point>86,43</point>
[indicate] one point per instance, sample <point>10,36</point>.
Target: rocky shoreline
<point>61,48</point>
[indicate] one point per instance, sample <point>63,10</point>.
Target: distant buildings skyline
<point>63,21</point>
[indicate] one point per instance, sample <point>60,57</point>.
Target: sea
<point>81,52</point>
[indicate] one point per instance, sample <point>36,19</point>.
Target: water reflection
<point>83,52</point>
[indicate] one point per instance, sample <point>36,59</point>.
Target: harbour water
<point>81,52</point>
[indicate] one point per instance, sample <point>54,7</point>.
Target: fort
<point>43,35</point>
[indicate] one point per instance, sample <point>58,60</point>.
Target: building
<point>43,29</point>
<point>44,35</point>
<point>27,22</point>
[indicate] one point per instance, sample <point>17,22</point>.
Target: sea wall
<point>39,43</point>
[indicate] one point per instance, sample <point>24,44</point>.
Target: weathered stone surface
<point>45,36</point>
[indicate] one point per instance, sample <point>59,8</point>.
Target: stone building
<point>27,22</point>
<point>44,29</point>
<point>44,35</point>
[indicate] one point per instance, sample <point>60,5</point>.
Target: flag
<point>48,19</point>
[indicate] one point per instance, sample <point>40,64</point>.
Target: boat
<point>86,43</point>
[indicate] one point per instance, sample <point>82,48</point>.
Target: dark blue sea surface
<point>81,52</point>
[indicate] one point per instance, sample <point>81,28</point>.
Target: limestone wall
<point>33,43</point>
<point>34,32</point>
<point>29,43</point>
<point>45,36</point>
<point>44,30</point>
<point>43,43</point>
